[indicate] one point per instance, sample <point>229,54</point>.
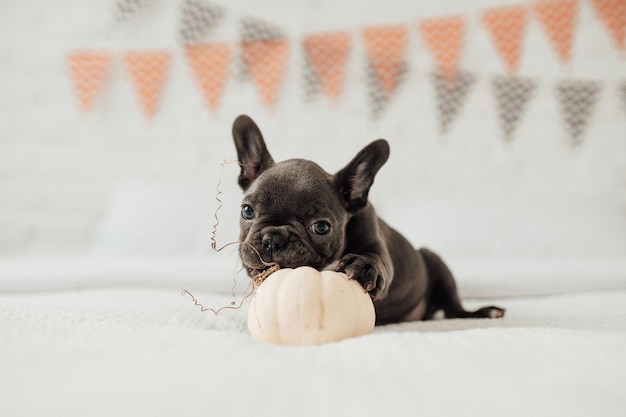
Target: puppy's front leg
<point>369,270</point>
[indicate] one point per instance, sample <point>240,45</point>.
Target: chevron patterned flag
<point>264,53</point>
<point>148,73</point>
<point>558,18</point>
<point>507,27</point>
<point>512,95</point>
<point>197,20</point>
<point>450,96</point>
<point>88,70</point>
<point>251,30</point>
<point>444,37</point>
<point>385,47</point>
<point>577,99</point>
<point>613,14</point>
<point>326,59</point>
<point>209,65</point>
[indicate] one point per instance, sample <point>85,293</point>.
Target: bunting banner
<point>385,48</point>
<point>209,65</point>
<point>326,55</point>
<point>450,96</point>
<point>88,70</point>
<point>148,72</point>
<point>125,10</point>
<point>512,94</point>
<point>262,52</point>
<point>558,18</point>
<point>198,19</point>
<point>613,14</point>
<point>577,100</point>
<point>507,27</point>
<point>444,38</point>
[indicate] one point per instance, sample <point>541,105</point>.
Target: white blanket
<point>150,352</point>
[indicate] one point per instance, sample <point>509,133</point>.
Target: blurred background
<point>506,119</point>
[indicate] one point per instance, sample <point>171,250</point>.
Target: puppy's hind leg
<point>444,295</point>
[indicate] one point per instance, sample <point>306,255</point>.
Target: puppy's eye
<point>321,227</point>
<point>247,212</point>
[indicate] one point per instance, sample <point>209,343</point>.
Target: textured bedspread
<point>150,352</point>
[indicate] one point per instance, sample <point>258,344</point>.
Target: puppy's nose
<point>273,241</point>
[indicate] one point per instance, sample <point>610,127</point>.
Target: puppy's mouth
<point>262,267</point>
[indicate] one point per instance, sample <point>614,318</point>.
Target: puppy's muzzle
<point>274,239</point>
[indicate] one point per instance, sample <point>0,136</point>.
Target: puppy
<point>294,213</point>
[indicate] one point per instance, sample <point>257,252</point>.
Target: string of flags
<point>261,57</point>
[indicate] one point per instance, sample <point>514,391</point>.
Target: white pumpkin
<point>303,306</point>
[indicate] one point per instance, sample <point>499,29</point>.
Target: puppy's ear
<point>251,150</point>
<point>354,181</point>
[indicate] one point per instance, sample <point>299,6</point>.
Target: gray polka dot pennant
<point>378,97</point>
<point>450,96</point>
<point>577,100</point>
<point>253,29</point>
<point>198,18</point>
<point>125,10</point>
<point>311,83</point>
<point>512,94</point>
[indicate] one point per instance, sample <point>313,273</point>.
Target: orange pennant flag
<point>444,38</point>
<point>88,70</point>
<point>507,26</point>
<point>209,64</point>
<point>148,71</point>
<point>328,54</point>
<point>558,18</point>
<point>266,61</point>
<point>386,47</point>
<point>613,13</point>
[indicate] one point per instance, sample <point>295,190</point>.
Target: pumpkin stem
<point>259,278</point>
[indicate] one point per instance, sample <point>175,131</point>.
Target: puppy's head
<point>293,212</point>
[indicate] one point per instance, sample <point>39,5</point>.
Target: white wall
<point>111,182</point>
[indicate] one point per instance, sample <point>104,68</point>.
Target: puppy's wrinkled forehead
<point>295,184</point>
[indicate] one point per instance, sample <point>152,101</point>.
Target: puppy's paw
<point>364,271</point>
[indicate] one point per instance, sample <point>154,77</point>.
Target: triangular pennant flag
<point>577,99</point>
<point>250,30</point>
<point>377,97</point>
<point>265,60</point>
<point>613,13</point>
<point>558,18</point>
<point>451,95</point>
<point>512,94</point>
<point>209,64</point>
<point>621,91</point>
<point>444,38</point>
<point>88,70</point>
<point>386,48</point>
<point>148,71</point>
<point>126,9</point>
<point>198,18</point>
<point>327,53</point>
<point>507,26</point>
<point>312,86</point>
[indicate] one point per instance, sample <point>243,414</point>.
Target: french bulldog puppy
<point>294,213</point>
